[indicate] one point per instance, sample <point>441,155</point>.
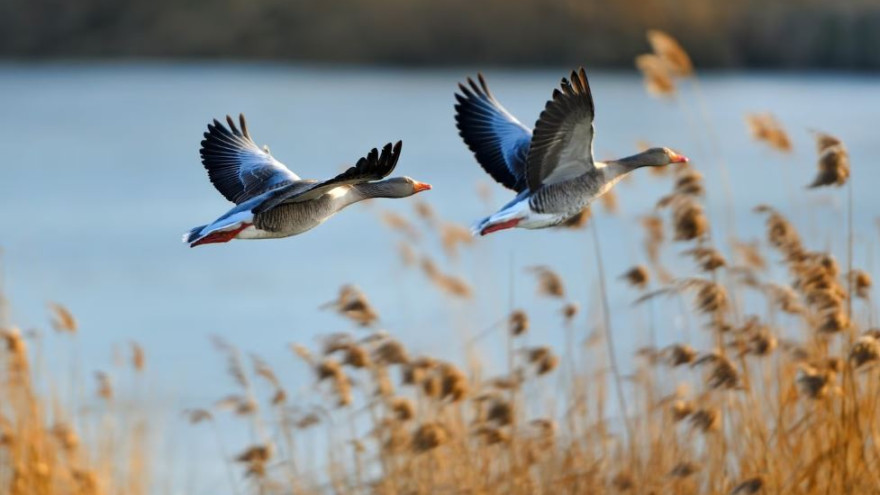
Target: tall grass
<point>53,441</point>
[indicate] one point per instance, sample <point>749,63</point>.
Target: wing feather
<point>498,140</point>
<point>562,142</point>
<point>374,166</point>
<point>237,167</point>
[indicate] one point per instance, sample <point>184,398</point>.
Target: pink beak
<point>676,158</point>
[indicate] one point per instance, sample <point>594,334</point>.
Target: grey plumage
<point>567,198</point>
<point>294,218</point>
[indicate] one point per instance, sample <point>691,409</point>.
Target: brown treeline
<point>841,34</point>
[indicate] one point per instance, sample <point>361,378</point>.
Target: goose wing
<point>498,140</point>
<point>237,167</point>
<point>562,143</point>
<point>374,166</point>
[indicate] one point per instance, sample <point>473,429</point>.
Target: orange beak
<point>421,186</point>
<point>676,158</point>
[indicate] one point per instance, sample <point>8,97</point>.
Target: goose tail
<point>494,224</point>
<point>225,229</point>
<point>477,227</point>
<point>193,234</point>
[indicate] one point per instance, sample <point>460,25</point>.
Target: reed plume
<point>63,320</point>
<point>833,162</point>
<point>765,128</point>
<point>658,81</point>
<point>670,51</point>
<point>549,282</point>
<point>352,303</point>
<point>637,276</point>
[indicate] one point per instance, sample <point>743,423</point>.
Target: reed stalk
<point>609,339</point>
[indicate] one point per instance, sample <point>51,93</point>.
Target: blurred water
<point>101,176</point>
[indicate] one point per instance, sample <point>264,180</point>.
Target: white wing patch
<point>338,192</point>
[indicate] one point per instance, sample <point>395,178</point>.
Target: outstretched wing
<point>374,166</point>
<point>499,141</point>
<point>237,167</point>
<point>562,143</point>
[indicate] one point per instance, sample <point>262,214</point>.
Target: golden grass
<point>52,446</point>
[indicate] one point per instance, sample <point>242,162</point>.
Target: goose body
<point>273,202</point>
<point>550,167</point>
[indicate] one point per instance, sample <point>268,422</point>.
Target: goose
<point>273,202</point>
<point>551,168</point>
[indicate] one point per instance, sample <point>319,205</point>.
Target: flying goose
<point>551,168</point>
<point>271,201</point>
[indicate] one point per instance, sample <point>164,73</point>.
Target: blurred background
<point>749,33</point>
<point>105,103</point>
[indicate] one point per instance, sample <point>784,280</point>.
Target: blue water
<point>101,176</point>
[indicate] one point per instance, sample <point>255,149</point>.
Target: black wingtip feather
<point>579,81</point>
<point>474,87</point>
<point>243,124</point>
<point>374,165</point>
<point>484,85</point>
<point>566,86</point>
<point>232,127</point>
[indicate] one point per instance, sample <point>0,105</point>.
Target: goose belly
<point>528,217</point>
<point>548,213</point>
<point>289,219</point>
<point>252,232</point>
<point>567,199</point>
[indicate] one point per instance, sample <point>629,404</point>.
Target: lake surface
<point>101,176</point>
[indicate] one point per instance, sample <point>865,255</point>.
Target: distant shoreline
<point>318,66</point>
<point>783,34</point>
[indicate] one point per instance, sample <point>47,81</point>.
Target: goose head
<point>659,157</point>
<point>653,157</point>
<point>396,187</point>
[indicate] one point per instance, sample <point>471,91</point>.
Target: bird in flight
<point>550,167</point>
<point>271,201</point>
